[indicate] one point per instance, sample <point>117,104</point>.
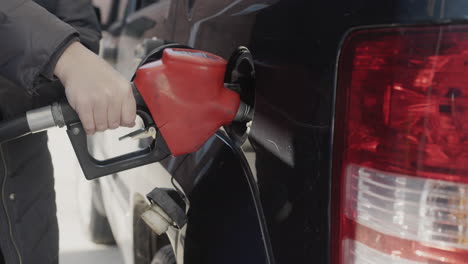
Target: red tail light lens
<point>401,146</point>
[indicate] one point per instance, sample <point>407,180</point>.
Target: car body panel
<point>295,46</point>
<point>153,20</point>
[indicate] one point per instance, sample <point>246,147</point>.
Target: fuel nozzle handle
<point>62,114</point>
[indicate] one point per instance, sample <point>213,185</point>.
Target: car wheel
<point>164,256</point>
<point>91,209</point>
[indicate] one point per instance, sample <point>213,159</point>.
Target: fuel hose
<point>14,129</point>
<point>37,120</point>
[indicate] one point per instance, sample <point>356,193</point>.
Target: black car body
<point>267,191</point>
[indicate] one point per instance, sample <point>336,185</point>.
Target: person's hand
<point>100,95</point>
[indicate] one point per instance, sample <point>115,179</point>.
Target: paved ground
<point>74,246</point>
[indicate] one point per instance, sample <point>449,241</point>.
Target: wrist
<point>67,60</point>
<point>48,70</point>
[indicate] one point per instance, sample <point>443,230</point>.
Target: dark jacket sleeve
<point>81,15</point>
<point>30,36</point>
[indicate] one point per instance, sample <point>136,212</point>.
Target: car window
<point>123,6</point>
<point>105,7</point>
<point>144,3</point>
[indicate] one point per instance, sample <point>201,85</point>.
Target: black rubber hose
<point>14,129</point>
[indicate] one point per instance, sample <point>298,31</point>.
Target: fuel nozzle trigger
<point>141,133</point>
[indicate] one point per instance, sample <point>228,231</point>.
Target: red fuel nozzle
<point>185,94</point>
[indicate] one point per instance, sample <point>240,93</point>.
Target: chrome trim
<point>40,119</point>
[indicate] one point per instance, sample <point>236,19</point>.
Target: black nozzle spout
<point>244,113</point>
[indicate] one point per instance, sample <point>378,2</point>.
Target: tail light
<point>401,147</point>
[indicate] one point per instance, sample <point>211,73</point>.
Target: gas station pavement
<point>75,248</point>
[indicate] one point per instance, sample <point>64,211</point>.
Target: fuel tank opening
<point>240,77</point>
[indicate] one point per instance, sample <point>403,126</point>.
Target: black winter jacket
<point>32,37</point>
<point>33,34</point>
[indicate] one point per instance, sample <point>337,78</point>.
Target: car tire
<point>164,256</point>
<point>93,217</point>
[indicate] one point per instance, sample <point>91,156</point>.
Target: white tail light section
<point>356,252</point>
<point>404,219</point>
<point>400,157</point>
